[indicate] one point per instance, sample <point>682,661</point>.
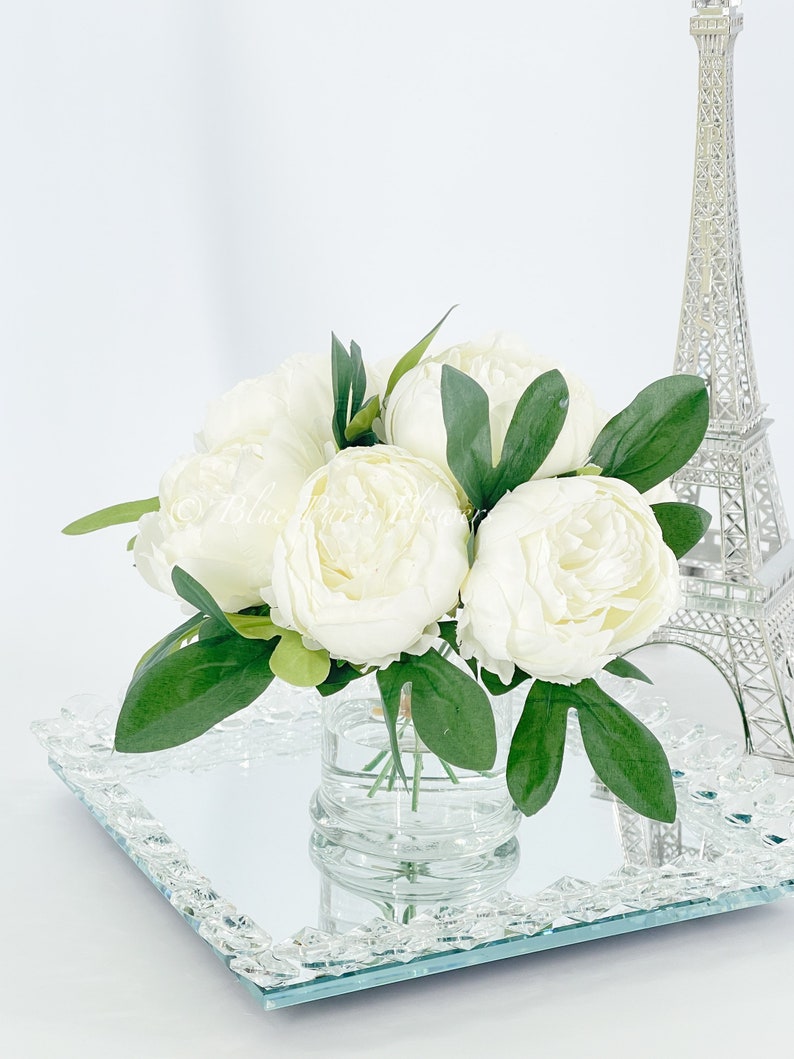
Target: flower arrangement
<point>470,523</point>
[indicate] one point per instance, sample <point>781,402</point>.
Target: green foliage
<point>187,692</point>
<point>467,421</point>
<point>340,675</point>
<point>253,626</point>
<point>391,684</point>
<point>451,712</point>
<point>625,755</point>
<point>536,751</point>
<point>535,426</point>
<point>621,667</point>
<point>342,376</point>
<point>494,683</point>
<point>116,515</point>
<point>682,525</point>
<point>447,632</point>
<point>352,420</point>
<point>656,434</point>
<point>169,643</point>
<point>362,422</point>
<point>414,355</point>
<point>290,660</point>
<point>211,627</point>
<point>189,589</point>
<point>358,379</point>
<point>296,664</point>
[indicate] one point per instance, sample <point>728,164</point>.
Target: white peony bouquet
<point>470,524</point>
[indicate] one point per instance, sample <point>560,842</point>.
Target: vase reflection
<point>356,887</point>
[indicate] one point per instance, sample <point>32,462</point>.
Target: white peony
<point>299,391</point>
<point>373,556</point>
<point>663,493</point>
<point>221,513</point>
<point>504,368</point>
<point>568,573</point>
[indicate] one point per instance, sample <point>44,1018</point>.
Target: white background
<point>191,191</point>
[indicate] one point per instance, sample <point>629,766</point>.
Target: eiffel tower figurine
<point>739,582</point>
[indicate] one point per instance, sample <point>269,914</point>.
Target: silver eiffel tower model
<point>739,581</point>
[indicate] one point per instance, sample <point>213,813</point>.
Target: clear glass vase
<point>445,835</point>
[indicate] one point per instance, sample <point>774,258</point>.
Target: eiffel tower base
<point>750,642</point>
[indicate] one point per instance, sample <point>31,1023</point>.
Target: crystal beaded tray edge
<point>202,821</point>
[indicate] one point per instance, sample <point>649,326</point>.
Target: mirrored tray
<point>221,828</point>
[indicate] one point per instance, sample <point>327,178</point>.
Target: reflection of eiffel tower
<point>648,843</point>
<point>739,591</point>
<point>644,843</point>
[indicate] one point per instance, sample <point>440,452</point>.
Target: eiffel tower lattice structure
<point>739,581</point>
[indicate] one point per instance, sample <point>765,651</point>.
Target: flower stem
<point>386,755</point>
<point>449,771</point>
<point>381,777</point>
<point>392,777</point>
<point>375,761</point>
<point>416,780</point>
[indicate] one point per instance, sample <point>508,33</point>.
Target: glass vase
<point>444,834</point>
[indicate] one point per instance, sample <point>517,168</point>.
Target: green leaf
<point>682,525</point>
<point>414,355</point>
<point>169,643</point>
<point>296,664</point>
<point>536,424</point>
<point>390,684</point>
<point>131,542</point>
<point>470,547</point>
<point>362,421</point>
<point>253,626</point>
<point>189,589</point>
<point>468,426</point>
<point>494,683</point>
<point>340,675</point>
<point>450,711</point>
<point>538,745</point>
<point>112,516</point>
<point>210,628</point>
<point>447,634</point>
<point>656,434</point>
<point>342,376</point>
<point>189,691</point>
<point>621,667</point>
<point>625,755</point>
<point>358,384</point>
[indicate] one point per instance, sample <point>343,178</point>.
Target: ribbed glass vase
<point>443,834</point>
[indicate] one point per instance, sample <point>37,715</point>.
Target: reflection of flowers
<point>373,556</point>
<point>568,573</point>
<point>220,514</point>
<point>504,368</point>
